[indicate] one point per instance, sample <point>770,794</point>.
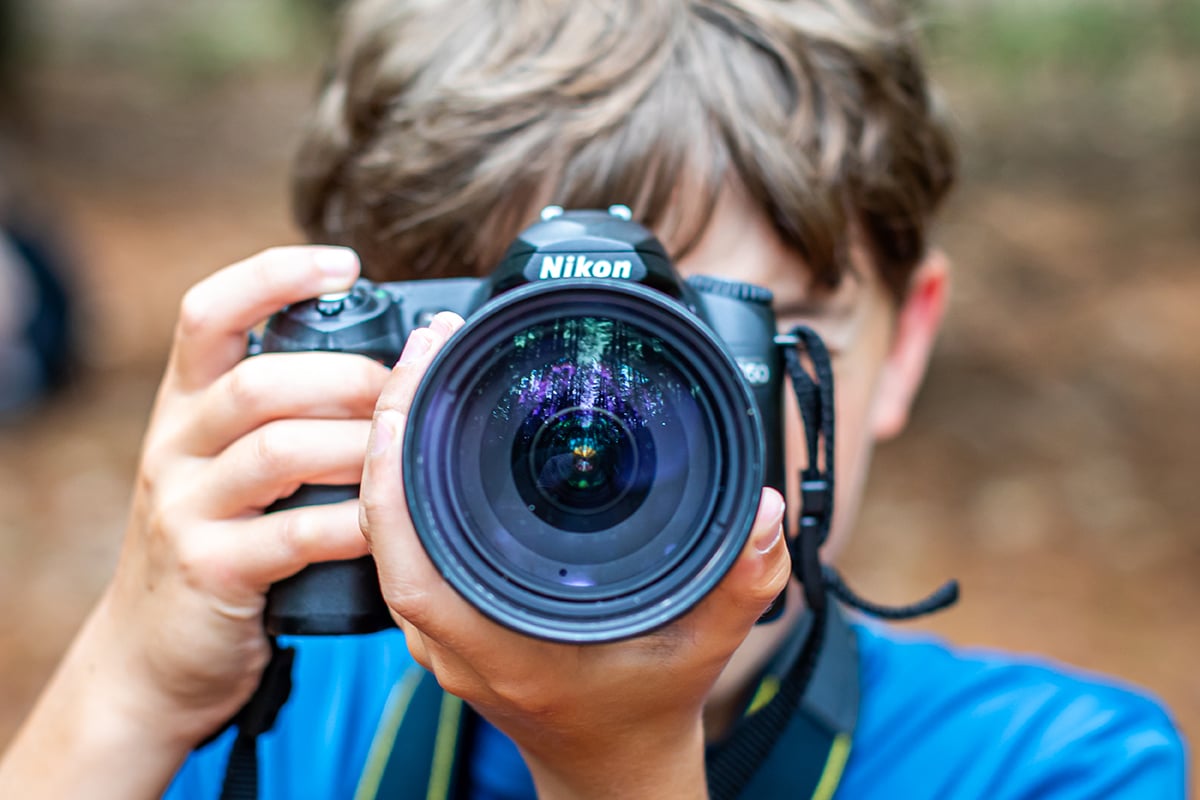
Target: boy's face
<point>879,351</point>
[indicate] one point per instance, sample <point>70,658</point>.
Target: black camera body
<point>583,461</point>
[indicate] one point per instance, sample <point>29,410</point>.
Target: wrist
<point>177,706</point>
<point>88,719</point>
<point>666,766</point>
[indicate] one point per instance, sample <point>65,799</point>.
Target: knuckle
<point>366,381</point>
<point>404,599</point>
<point>364,523</point>
<point>270,450</point>
<point>195,311</point>
<point>370,507</point>
<point>168,515</point>
<point>453,674</point>
<point>416,647</point>
<point>201,562</point>
<point>780,574</point>
<point>773,581</point>
<point>526,697</point>
<point>452,681</point>
<point>159,520</point>
<point>155,457</point>
<point>242,385</point>
<point>296,535</point>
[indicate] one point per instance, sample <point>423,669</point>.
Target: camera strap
<point>255,719</point>
<point>733,767</point>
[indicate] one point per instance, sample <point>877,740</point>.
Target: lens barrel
<point>583,461</point>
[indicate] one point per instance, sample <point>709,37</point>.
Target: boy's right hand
<point>176,644</point>
<point>228,437</point>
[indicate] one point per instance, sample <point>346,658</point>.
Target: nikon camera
<point>583,461</point>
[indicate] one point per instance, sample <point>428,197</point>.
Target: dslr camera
<point>583,460</point>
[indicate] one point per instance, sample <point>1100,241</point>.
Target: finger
<point>274,460</point>
<point>454,674</point>
<point>415,642</point>
<point>280,386</point>
<point>266,549</point>
<point>410,582</point>
<point>422,345</point>
<point>216,313</point>
<point>760,573</point>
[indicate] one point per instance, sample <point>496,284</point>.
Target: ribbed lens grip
<point>746,292</point>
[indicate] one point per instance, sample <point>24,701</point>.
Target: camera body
<point>592,394</point>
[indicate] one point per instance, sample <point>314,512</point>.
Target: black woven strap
<point>736,762</point>
<point>733,766</point>
<point>255,719</point>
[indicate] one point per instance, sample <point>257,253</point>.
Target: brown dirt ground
<point>1050,464</point>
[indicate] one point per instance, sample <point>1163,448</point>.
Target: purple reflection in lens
<point>588,365</point>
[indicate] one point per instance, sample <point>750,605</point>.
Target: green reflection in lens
<point>583,459</point>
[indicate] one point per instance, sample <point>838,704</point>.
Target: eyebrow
<point>809,307</point>
<point>825,303</point>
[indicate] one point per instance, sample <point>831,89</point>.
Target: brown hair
<point>444,125</point>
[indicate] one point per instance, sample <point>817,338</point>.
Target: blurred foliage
<point>195,41</point>
<point>223,37</point>
<point>1098,38</point>
<point>212,39</point>
<point>1077,90</point>
<point>1065,79</point>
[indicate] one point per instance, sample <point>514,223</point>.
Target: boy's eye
<point>834,325</point>
<point>812,314</point>
<point>835,315</point>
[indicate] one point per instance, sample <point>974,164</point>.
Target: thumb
<point>383,510</point>
<point>760,573</point>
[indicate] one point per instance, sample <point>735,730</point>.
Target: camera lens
<point>582,460</point>
<point>583,464</point>
<point>583,456</point>
<point>581,404</point>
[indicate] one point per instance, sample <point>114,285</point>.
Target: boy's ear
<point>917,324</point>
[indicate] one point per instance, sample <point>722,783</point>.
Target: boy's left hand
<point>619,719</point>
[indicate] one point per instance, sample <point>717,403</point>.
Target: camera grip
<point>332,597</point>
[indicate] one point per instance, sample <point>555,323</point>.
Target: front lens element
<point>580,404</point>
<point>583,463</point>
<point>582,460</point>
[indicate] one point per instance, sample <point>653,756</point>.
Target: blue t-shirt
<point>933,722</point>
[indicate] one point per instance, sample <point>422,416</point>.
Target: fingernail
<point>444,322</point>
<point>338,265</point>
<point>769,534</point>
<point>385,432</point>
<point>417,346</point>
<point>766,539</point>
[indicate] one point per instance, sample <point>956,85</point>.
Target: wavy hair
<point>443,125</point>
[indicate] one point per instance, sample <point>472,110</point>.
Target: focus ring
<point>746,292</point>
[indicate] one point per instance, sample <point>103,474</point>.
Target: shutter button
<point>331,304</point>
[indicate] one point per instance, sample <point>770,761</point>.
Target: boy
<point>791,145</point>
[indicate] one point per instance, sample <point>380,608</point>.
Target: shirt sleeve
<point>940,722</point>
<point>1107,743</point>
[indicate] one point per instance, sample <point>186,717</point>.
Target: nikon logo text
<point>583,267</point>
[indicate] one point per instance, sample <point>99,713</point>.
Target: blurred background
<point>1053,458</point>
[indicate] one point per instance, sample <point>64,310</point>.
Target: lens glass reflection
<point>581,460</point>
<point>595,454</point>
